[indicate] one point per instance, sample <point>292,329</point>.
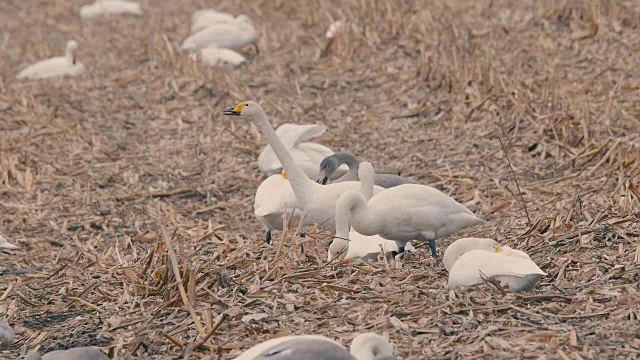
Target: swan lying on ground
<point>113,7</point>
<point>57,66</point>
<point>332,162</point>
<point>368,346</point>
<point>80,353</point>
<point>208,18</point>
<point>296,139</point>
<point>472,258</point>
<point>213,56</point>
<point>317,201</point>
<point>234,35</point>
<point>402,213</point>
<point>6,336</point>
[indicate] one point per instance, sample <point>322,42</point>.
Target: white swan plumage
<point>461,246</point>
<point>79,353</point>
<point>203,19</point>
<point>113,7</point>
<point>213,56</point>
<point>275,201</point>
<point>232,35</point>
<point>512,268</point>
<point>367,346</point>
<point>296,139</point>
<point>402,213</point>
<point>66,65</point>
<point>317,201</point>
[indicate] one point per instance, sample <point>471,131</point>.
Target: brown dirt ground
<point>98,173</point>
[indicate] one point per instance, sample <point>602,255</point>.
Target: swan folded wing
<point>274,195</point>
<point>226,35</point>
<point>207,19</point>
<point>256,350</point>
<point>471,266</point>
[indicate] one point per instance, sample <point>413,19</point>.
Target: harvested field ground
<point>100,175</point>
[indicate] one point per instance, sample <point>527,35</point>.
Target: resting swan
<point>115,7</point>
<point>368,346</point>
<point>79,353</point>
<point>234,35</point>
<point>469,259</point>
<point>296,140</point>
<point>57,66</point>
<point>317,201</point>
<point>208,18</point>
<point>402,213</point>
<point>332,162</point>
<point>6,336</point>
<point>213,56</point>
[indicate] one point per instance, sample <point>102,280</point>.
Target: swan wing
<point>274,195</point>
<point>232,36</point>
<point>292,134</point>
<point>56,66</point>
<point>205,20</point>
<point>256,350</point>
<point>468,268</point>
<point>362,246</point>
<point>461,246</point>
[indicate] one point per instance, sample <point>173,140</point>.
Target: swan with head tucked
<point>296,139</point>
<point>274,202</point>
<point>332,162</point>
<point>113,7</point>
<point>80,353</point>
<point>461,246</point>
<point>202,20</point>
<point>6,336</point>
<point>368,346</point>
<point>234,35</point>
<point>213,56</point>
<point>402,213</point>
<point>317,201</point>
<point>66,65</point>
<point>512,268</point>
<point>5,244</point>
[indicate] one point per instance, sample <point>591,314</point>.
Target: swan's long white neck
<point>367,180</point>
<point>300,183</point>
<point>369,346</point>
<point>355,205</point>
<point>342,222</point>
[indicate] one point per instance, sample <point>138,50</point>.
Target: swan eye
<point>246,104</point>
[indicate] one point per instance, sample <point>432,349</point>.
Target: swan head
<point>70,50</point>
<point>327,167</point>
<point>461,246</point>
<point>338,249</point>
<point>245,108</point>
<point>366,171</point>
<point>371,346</point>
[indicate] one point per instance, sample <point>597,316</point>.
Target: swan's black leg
<point>432,245</point>
<point>302,236</point>
<point>399,252</point>
<point>268,238</point>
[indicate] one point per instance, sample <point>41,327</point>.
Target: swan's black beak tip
<point>230,111</point>
<point>323,180</point>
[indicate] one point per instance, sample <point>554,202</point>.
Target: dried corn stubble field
<point>100,175</point>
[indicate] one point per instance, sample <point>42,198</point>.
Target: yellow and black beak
<point>235,111</point>
<point>73,58</point>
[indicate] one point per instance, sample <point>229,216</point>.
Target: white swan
<point>57,66</point>
<point>214,56</point>
<point>331,163</point>
<point>6,336</point>
<point>296,140</point>
<point>461,246</point>
<point>402,213</point>
<point>274,202</point>
<point>368,346</point>
<point>367,247</point>
<point>317,201</point>
<point>210,17</point>
<point>5,244</point>
<point>80,353</point>
<point>114,7</point>
<point>512,268</point>
<point>232,36</point>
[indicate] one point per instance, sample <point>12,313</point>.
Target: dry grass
<point>101,175</point>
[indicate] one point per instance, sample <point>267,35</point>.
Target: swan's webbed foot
<point>268,237</point>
